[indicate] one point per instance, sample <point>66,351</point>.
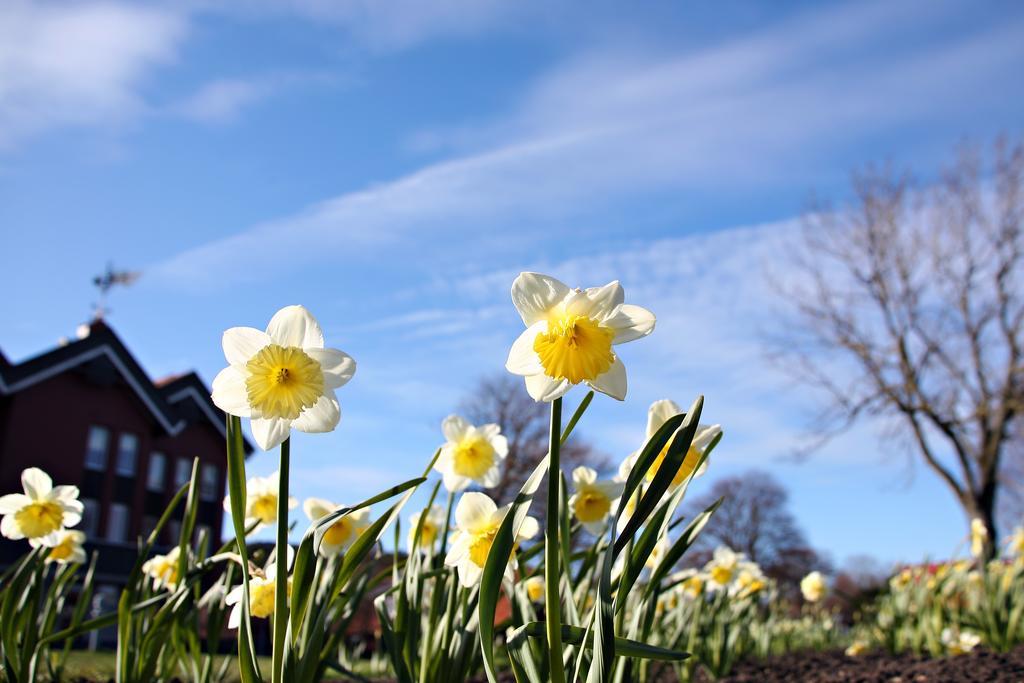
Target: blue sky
<point>394,165</point>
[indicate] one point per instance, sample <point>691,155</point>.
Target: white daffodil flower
<point>282,378</point>
<point>163,569</point>
<point>723,567</point>
<point>433,525</point>
<point>534,588</point>
<point>813,587</point>
<point>261,501</point>
<point>470,454</point>
<point>959,642</point>
<point>477,519</point>
<point>592,500</point>
<point>657,415</point>
<point>336,538</point>
<point>262,584</point>
<point>570,334</point>
<point>979,535</point>
<point>41,512</point>
<point>750,580</point>
<point>69,548</point>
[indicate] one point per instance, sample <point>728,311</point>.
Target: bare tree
<point>907,305</point>
<point>502,399</point>
<point>754,519</point>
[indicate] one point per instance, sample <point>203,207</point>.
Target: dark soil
<point>981,666</point>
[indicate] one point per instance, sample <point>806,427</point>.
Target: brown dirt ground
<point>979,666</point>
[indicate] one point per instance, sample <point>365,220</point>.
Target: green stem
<point>281,579</point>
<point>552,603</point>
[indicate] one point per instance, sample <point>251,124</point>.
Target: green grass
<point>99,666</point>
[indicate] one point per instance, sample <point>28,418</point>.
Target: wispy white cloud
<point>223,100</point>
<point>602,129</point>
<point>79,63</point>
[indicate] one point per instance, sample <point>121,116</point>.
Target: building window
<point>117,525</point>
<point>182,472</point>
<point>90,523</point>
<point>174,531</point>
<point>96,448</point>
<point>127,452</point>
<point>209,484</point>
<point>157,467</point>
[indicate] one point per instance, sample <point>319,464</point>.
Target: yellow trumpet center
<point>63,551</point>
<point>340,532</point>
<point>575,348</point>
<point>264,508</point>
<point>261,602</point>
<point>591,506</point>
<point>283,381</point>
<point>39,518</point>
<point>689,463</point>
<point>535,589</point>
<point>721,574</point>
<point>474,456</point>
<point>480,546</point>
<point>428,533</point>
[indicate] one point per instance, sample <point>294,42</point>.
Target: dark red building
<point>87,414</point>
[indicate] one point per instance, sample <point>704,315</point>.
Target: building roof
<point>173,403</point>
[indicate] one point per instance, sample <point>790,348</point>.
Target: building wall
<point>47,426</point>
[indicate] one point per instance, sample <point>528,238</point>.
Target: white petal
<point>612,382</point>
<point>13,502</point>
<point>295,326</point>
<point>455,482</point>
<point>474,509</point>
<point>458,550</point>
<point>229,393</point>
<point>242,343</point>
<point>492,477</point>
<point>315,508</point>
<point>324,416</point>
<point>705,435</point>
<point>597,302</point>
<point>269,433</point>
<point>544,388</point>
<point>469,573</point>
<point>528,529</point>
<point>9,528</point>
<point>65,493</point>
<point>235,618</point>
<point>500,444</point>
<point>534,295</point>
<point>612,489</point>
<point>338,366</point>
<point>659,413</point>
<point>522,359</point>
<point>595,528</point>
<point>630,322</point>
<point>72,517</point>
<point>36,482</point>
<point>583,475</point>
<point>234,596</point>
<point>454,428</point>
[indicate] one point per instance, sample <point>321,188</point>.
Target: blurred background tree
<point>754,519</point>
<point>501,398</point>
<point>907,304</point>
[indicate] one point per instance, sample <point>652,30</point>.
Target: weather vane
<point>108,281</point>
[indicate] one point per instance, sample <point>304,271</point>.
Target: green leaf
<point>623,646</point>
<point>497,559</point>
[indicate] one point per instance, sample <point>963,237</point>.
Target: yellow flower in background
<point>262,585</point>
<point>261,500</point>
<point>283,378</point>
<point>1016,543</point>
<point>470,454</point>
<point>163,569</point>
<point>959,642</point>
<point>41,512</point>
<point>857,648</point>
<point>433,526</point>
<point>592,500</point>
<point>336,538</point>
<point>979,536</point>
<point>657,553</point>
<point>477,519</point>
<point>749,581</point>
<point>813,587</point>
<point>570,334</point>
<point>69,548</point>
<point>535,588</point>
<point>723,567</point>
